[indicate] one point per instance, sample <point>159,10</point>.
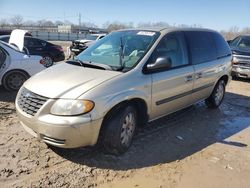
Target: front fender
<point>104,106</point>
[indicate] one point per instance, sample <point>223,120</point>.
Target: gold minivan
<point>121,82</point>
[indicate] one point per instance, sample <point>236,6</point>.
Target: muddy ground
<point>197,147</point>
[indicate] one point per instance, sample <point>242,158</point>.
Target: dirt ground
<point>194,148</point>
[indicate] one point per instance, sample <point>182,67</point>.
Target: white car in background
<point>16,65</point>
<point>80,45</point>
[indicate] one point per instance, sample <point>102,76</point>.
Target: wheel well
<point>48,55</point>
<point>225,79</point>
<point>141,108</point>
<point>139,104</point>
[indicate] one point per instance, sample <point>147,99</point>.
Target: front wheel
<point>120,130</point>
<point>217,95</point>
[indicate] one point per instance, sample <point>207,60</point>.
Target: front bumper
<point>241,66</point>
<point>61,131</point>
<point>241,71</point>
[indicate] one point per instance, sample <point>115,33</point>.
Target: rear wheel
<point>120,130</point>
<point>217,95</point>
<point>48,61</point>
<point>13,80</point>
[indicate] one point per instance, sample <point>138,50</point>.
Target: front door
<point>172,89</point>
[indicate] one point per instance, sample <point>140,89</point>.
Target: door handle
<point>189,78</point>
<point>198,75</point>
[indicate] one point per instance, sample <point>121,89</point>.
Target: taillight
<point>42,61</point>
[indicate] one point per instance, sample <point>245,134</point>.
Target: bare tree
<point>246,30</point>
<point>48,23</point>
<point>17,21</point>
<point>3,22</point>
<point>58,22</point>
<point>89,24</point>
<point>112,26</point>
<point>116,26</point>
<point>29,23</point>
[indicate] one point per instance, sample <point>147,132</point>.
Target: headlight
<point>67,107</point>
<point>235,60</point>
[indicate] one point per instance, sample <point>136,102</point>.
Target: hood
<point>84,40</point>
<point>67,81</point>
<point>17,38</point>
<point>240,51</point>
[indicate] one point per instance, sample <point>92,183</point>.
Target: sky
<point>214,14</point>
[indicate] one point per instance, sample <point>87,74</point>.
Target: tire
<point>13,80</point>
<point>48,61</point>
<point>217,96</point>
<point>234,77</point>
<point>119,130</point>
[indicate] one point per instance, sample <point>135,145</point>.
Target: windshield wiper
<point>89,64</point>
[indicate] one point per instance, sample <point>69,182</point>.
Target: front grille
<point>30,102</point>
<point>243,59</point>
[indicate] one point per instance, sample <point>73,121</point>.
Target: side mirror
<point>161,64</point>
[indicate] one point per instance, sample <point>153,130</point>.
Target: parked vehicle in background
<point>50,52</point>
<point>79,45</point>
<point>123,81</point>
<point>240,47</point>
<point>16,66</point>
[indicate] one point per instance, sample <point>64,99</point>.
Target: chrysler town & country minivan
<point>120,83</point>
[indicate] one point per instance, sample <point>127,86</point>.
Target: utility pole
<point>80,17</point>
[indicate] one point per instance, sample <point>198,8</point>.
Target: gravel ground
<point>196,147</point>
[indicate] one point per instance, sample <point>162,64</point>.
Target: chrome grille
<point>243,59</point>
<point>30,102</point>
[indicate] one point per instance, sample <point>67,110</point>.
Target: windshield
<point>120,49</point>
<point>91,37</point>
<point>241,42</point>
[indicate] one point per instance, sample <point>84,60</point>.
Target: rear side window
<point>222,46</point>
<point>32,43</point>
<point>2,57</point>
<point>201,46</point>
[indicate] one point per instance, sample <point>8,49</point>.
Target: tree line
<point>18,21</point>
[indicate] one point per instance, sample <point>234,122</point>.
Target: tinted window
<point>5,39</point>
<point>234,42</point>
<point>201,46</point>
<point>222,46</point>
<point>244,43</point>
<point>2,58</point>
<point>31,43</point>
<point>171,46</point>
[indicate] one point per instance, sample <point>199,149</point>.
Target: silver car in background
<point>123,81</point>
